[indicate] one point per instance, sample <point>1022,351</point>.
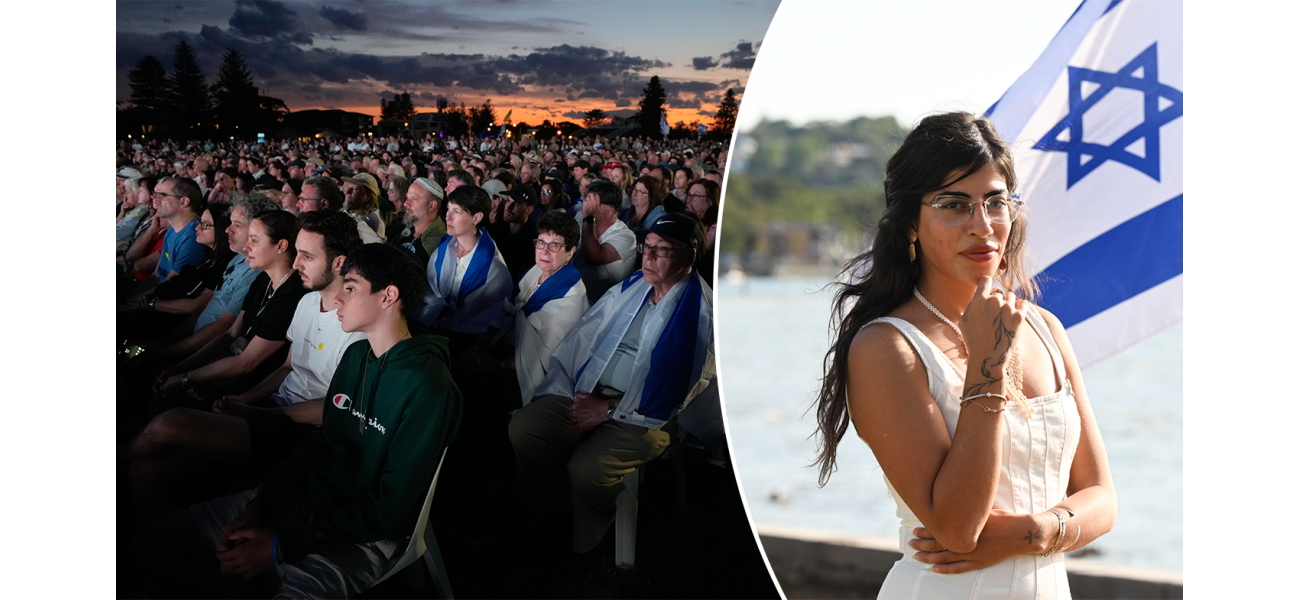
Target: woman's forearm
<point>1094,511</point>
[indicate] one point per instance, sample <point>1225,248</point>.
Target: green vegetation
<point>819,174</point>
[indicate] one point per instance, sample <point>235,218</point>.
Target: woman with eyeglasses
<point>552,197</point>
<point>186,293</point>
<point>968,394</point>
<point>551,299</point>
<point>647,204</point>
<point>702,200</point>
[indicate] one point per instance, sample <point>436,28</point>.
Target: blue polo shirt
<point>179,249</point>
<point>228,297</point>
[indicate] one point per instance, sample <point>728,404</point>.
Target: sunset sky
<point>544,60</point>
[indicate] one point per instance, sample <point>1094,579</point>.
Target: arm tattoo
<point>1003,341</point>
<point>1033,535</point>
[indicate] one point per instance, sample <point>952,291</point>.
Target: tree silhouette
<point>482,117</point>
<point>653,98</point>
<point>457,120</point>
<point>235,98</point>
<point>400,109</point>
<point>189,91</point>
<point>150,89</point>
<point>725,121</point>
<point>593,118</point>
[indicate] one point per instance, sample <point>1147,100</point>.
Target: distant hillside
<point>823,180</point>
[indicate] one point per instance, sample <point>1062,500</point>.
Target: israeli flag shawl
<point>676,361</point>
<point>542,320</point>
<point>484,291</point>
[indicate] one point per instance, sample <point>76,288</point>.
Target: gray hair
<point>401,185</point>
<point>253,203</point>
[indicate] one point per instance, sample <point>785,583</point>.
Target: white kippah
<point>432,186</point>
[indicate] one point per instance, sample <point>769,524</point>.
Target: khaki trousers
<point>549,452</point>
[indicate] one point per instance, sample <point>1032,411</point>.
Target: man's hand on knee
<point>587,412</point>
<point>251,516</point>
<point>251,553</point>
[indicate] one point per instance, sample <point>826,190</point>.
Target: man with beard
<point>423,224</point>
<point>362,192</point>
<point>253,431</point>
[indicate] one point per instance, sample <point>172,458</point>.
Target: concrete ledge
<point>819,564</point>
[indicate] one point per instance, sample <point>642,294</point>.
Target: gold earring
<point>911,251</point>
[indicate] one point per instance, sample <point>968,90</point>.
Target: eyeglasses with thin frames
<point>205,225</point>
<point>956,210</point>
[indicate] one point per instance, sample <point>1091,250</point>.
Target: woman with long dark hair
<point>968,395</point>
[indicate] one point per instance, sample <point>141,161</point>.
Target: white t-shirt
<point>318,342</point>
<point>599,278</point>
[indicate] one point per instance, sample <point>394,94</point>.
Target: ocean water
<point>772,337</point>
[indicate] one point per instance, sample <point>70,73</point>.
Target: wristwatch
<point>613,404</point>
<point>151,302</point>
<point>185,381</point>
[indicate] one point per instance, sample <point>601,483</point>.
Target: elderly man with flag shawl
<point>636,359</point>
<point>469,283</point>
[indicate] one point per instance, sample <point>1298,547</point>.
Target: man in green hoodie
<point>332,518</point>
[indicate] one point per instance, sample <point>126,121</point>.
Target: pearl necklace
<point>1015,378</point>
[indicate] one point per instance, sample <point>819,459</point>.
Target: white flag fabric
<point>1097,130</point>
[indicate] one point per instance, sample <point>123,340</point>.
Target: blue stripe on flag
<point>1132,258</point>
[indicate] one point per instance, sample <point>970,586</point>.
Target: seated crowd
<point>305,327</point>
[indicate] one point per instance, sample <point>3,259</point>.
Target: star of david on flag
<point>1096,128</point>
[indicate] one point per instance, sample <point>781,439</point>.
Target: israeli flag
<point>1096,126</point>
<point>663,123</point>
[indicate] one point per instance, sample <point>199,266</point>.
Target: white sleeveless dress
<point>1036,456</point>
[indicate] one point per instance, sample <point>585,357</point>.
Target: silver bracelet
<point>1060,535</point>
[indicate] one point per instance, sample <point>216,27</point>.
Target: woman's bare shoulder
<point>880,347</point>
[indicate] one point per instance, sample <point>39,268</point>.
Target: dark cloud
<point>582,71</point>
<point>704,63</point>
<point>344,19</point>
<point>688,87</point>
<point>263,18</point>
<point>742,57</point>
<point>277,42</point>
<point>582,114</point>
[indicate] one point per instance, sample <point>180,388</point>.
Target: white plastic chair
<point>423,543</point>
<point>627,501</point>
<point>625,520</point>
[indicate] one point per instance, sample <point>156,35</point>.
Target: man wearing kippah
<point>423,223</point>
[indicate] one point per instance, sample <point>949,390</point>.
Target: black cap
<point>523,194</point>
<point>682,229</point>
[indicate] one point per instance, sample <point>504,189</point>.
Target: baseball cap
<point>679,228</point>
<point>364,179</point>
